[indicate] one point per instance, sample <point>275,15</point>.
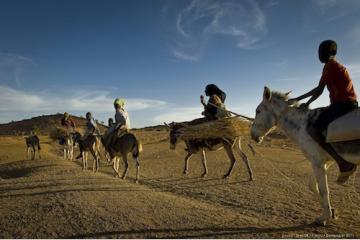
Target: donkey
<point>90,144</point>
<point>275,110</point>
<point>203,145</point>
<point>32,142</point>
<point>121,147</point>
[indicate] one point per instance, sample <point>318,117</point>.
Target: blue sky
<point>77,56</point>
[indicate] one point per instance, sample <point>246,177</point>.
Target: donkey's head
<point>268,113</point>
<point>175,133</point>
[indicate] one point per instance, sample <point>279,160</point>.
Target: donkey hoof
<point>334,214</point>
<point>186,173</point>
<point>137,181</point>
<point>319,222</point>
<point>226,176</point>
<point>123,177</point>
<point>204,175</point>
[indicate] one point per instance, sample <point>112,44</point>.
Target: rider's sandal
<point>344,176</point>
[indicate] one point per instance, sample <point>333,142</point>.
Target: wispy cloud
<point>16,64</point>
<point>354,70</point>
<point>354,35</point>
<point>282,64</point>
<point>179,114</point>
<point>272,3</point>
<point>184,56</point>
<point>200,20</point>
<point>321,12</point>
<point>12,100</point>
<point>288,79</point>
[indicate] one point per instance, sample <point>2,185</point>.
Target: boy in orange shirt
<point>343,100</point>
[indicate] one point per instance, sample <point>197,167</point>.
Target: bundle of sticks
<point>227,127</point>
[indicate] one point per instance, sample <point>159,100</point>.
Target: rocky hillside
<point>41,125</point>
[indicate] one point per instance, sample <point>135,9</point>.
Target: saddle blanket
<point>345,128</point>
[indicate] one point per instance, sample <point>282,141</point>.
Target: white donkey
<point>275,110</point>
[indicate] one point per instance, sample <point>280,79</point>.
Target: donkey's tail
<point>38,142</point>
<point>137,149</point>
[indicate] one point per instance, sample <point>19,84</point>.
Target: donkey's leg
<point>229,152</point>
<point>97,153</point>
<point>203,159</point>
<point>321,178</point>
<point>124,157</point>
<point>33,153</point>
<point>28,153</point>
<point>64,152</point>
<point>39,153</point>
<point>83,156</point>
<point>107,156</point>
<point>71,149</point>
<point>95,160</point>
<point>137,162</point>
<point>245,159</point>
<point>115,161</point>
<point>188,156</point>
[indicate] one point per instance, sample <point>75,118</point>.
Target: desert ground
<point>55,198</point>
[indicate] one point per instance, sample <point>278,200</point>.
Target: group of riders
<point>334,76</point>
<point>115,129</point>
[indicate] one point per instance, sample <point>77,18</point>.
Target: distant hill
<point>41,125</point>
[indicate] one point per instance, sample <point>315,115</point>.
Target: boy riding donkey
<point>91,130</point>
<point>120,127</point>
<point>343,100</point>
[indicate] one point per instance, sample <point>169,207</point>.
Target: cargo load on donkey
<point>229,127</point>
<point>345,128</point>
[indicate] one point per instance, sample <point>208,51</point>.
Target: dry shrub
<point>57,133</point>
<point>226,127</point>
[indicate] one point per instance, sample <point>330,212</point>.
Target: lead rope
<point>349,194</point>
<point>281,173</point>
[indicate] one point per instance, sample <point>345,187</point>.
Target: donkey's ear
<point>267,94</point>
<point>288,93</point>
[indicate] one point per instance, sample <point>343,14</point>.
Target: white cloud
<point>242,21</point>
<point>354,35</point>
<point>288,79</point>
<point>182,114</point>
<point>183,56</point>
<point>354,71</point>
<point>320,12</point>
<point>12,100</point>
<point>179,114</point>
<point>282,64</point>
<point>16,63</point>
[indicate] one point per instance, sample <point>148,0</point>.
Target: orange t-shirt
<point>338,82</point>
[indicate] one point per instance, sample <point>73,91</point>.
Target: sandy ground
<point>53,198</point>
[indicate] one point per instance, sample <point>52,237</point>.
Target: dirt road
<point>53,198</point>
